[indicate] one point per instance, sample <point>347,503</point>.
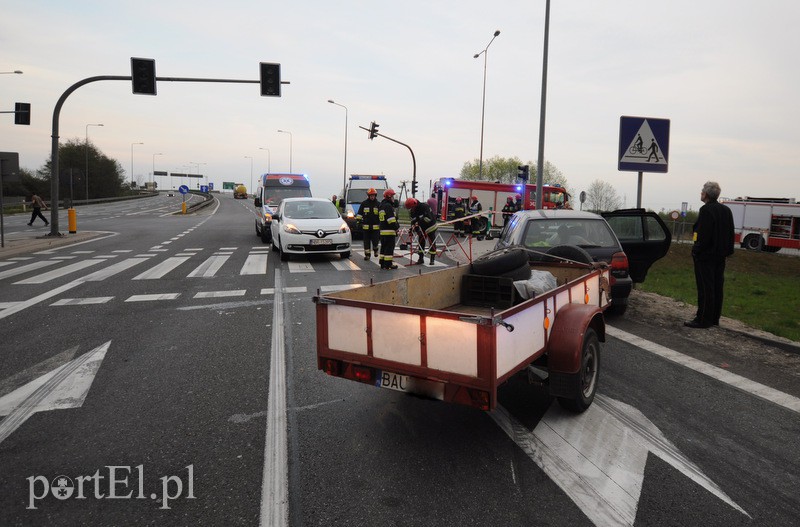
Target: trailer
<point>767,224</point>
<point>457,336</point>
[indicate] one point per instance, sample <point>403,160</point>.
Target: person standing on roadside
<point>388,230</point>
<point>38,205</point>
<point>367,217</point>
<point>713,242</point>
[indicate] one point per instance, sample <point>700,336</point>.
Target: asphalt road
<point>180,316</point>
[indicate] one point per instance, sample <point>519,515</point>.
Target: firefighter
<point>459,211</point>
<point>388,230</point>
<point>476,223</point>
<point>508,210</point>
<point>367,218</point>
<point>423,222</point>
<point>518,202</point>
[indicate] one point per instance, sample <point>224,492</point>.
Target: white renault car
<point>309,226</point>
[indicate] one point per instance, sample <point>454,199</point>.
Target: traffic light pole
<point>54,179</point>
<point>413,159</point>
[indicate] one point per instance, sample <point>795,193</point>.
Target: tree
<point>601,196</point>
<point>505,170</point>
<point>105,179</point>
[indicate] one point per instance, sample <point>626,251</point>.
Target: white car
<point>309,226</point>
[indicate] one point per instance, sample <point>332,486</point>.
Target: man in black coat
<point>713,242</point>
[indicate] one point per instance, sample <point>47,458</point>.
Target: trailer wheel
<point>588,375</point>
<point>753,242</point>
<point>500,261</point>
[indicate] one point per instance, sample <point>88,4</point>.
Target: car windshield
<point>274,196</point>
<point>581,232</point>
<point>310,210</point>
<point>357,195</point>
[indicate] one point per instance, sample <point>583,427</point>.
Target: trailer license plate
<point>406,383</point>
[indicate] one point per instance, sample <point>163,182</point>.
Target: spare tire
<point>570,252</point>
<point>523,272</point>
<point>500,261</point>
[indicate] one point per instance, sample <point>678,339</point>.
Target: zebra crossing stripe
<point>111,270</point>
<point>148,298</point>
<point>25,268</point>
<point>300,267</point>
<point>209,268</point>
<point>271,290</point>
<point>255,264</point>
<point>161,269</point>
<point>345,265</point>
<point>220,294</point>
<point>82,301</point>
<point>57,273</point>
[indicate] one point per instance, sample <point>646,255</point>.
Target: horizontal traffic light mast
<point>373,133</point>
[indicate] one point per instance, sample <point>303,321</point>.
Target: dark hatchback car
<point>628,240</point>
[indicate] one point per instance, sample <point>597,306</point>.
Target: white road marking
<point>82,301</point>
<point>57,273</point>
<point>6,305</point>
<point>209,268</point>
<point>255,264</point>
<point>334,288</point>
<point>737,381</point>
<point>123,251</point>
<point>82,252</point>
<point>271,290</point>
<point>161,269</point>
<point>146,255</point>
<point>111,270</point>
<point>228,248</point>
<point>20,258</point>
<point>275,478</point>
<point>26,268</point>
<point>153,297</point>
<point>300,267</point>
<point>63,257</point>
<point>345,265</point>
<point>220,294</point>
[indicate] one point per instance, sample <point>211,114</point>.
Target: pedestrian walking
<point>368,219</point>
<point>388,228</point>
<point>38,205</point>
<point>423,222</point>
<point>713,242</point>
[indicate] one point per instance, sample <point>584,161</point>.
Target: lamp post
<point>153,173</point>
<point>344,175</point>
<point>86,149</point>
<point>290,148</point>
<point>251,171</point>
<point>540,156</point>
<point>269,158</point>
<point>132,182</point>
<point>485,54</point>
<point>197,165</point>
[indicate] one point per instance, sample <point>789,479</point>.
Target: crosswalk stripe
<point>220,294</point>
<point>57,273</point>
<point>334,288</point>
<point>161,269</point>
<point>255,264</point>
<point>111,270</point>
<point>300,267</point>
<point>82,301</point>
<point>345,265</point>
<point>210,267</point>
<point>158,296</point>
<point>271,290</point>
<point>25,268</point>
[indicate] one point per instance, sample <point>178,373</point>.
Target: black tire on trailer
<point>588,376</point>
<point>523,272</point>
<point>500,261</point>
<point>570,252</point>
<point>753,242</point>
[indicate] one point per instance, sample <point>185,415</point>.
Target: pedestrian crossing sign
<point>643,144</point>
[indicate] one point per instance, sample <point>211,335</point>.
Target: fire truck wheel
<point>753,242</point>
<point>500,261</point>
<point>588,375</point>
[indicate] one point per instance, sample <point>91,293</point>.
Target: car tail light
<point>619,262</point>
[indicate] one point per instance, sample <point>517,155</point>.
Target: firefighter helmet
<point>372,191</point>
<point>458,200</point>
<point>388,193</point>
<point>411,203</point>
<point>474,198</point>
<point>519,196</point>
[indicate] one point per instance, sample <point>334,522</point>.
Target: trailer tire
<point>588,375</point>
<point>753,242</point>
<point>500,261</point>
<point>571,252</point>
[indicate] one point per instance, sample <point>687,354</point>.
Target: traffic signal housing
<point>270,79</point>
<point>523,172</point>
<point>143,76</point>
<point>373,130</point>
<point>413,188</point>
<point>22,113</point>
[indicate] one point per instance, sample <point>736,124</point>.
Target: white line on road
<point>737,381</point>
<point>271,290</point>
<point>161,269</point>
<point>220,294</point>
<point>58,273</point>
<point>25,268</point>
<point>157,296</point>
<point>210,267</point>
<point>82,301</point>
<point>345,265</point>
<point>255,264</point>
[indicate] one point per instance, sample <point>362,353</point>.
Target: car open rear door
<point>644,236</point>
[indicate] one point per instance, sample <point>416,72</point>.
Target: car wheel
<point>500,261</point>
<point>570,252</point>
<point>284,255</point>
<point>588,375</point>
<point>258,232</point>
<point>617,307</point>
<point>274,245</point>
<point>753,242</point>
<point>266,235</point>
<point>345,255</point>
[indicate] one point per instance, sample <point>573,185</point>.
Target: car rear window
<point>581,232</point>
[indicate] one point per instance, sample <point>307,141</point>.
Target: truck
<point>272,190</point>
<point>493,195</point>
<point>458,334</point>
<point>354,195</point>
<point>765,224</point>
<point>240,192</point>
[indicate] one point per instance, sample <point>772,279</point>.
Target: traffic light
<point>270,79</point>
<point>143,76</point>
<point>22,113</point>
<point>413,188</point>
<point>523,172</point>
<point>373,130</point>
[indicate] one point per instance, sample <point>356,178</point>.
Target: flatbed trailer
<point>426,334</point>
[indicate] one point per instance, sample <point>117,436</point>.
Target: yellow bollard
<point>183,208</point>
<point>72,220</point>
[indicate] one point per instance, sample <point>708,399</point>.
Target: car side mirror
<point>257,202</point>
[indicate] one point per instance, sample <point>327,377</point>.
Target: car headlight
<point>267,217</point>
<point>291,229</point>
<point>344,229</point>
<point>350,214</point>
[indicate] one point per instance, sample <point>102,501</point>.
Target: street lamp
<point>540,156</point>
<point>269,159</point>
<point>86,148</point>
<point>290,148</point>
<point>132,182</point>
<point>197,165</point>
<point>344,175</point>
<point>251,171</point>
<point>485,54</point>
<point>153,174</point>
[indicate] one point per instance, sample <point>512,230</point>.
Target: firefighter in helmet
<point>508,210</point>
<point>388,227</point>
<point>369,221</point>
<point>476,222</point>
<point>459,211</point>
<point>423,222</point>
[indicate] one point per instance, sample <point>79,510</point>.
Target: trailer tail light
<point>363,374</point>
<point>331,367</point>
<point>480,398</point>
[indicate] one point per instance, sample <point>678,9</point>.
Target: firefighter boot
<point>421,259</point>
<point>433,255</point>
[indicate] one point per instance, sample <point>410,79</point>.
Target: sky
<point>724,72</point>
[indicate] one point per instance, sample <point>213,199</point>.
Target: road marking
<point>300,267</point>
<point>161,269</point>
<point>82,252</point>
<point>146,255</point>
<point>334,288</point>
<point>345,265</point>
<point>209,268</point>
<point>255,264</point>
<point>604,478</point>
<point>228,248</point>
<point>220,294</point>
<point>111,270</point>
<point>82,301</point>
<point>57,273</point>
<point>153,297</point>
<point>123,251</point>
<point>6,305</point>
<point>63,257</point>
<point>271,290</point>
<point>275,477</point>
<point>25,268</point>
<point>737,381</point>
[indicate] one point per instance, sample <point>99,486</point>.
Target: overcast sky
<point>725,72</point>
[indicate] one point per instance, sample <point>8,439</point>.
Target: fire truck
<point>766,224</point>
<point>494,195</point>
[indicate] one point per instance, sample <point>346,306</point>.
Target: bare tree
<point>601,196</point>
